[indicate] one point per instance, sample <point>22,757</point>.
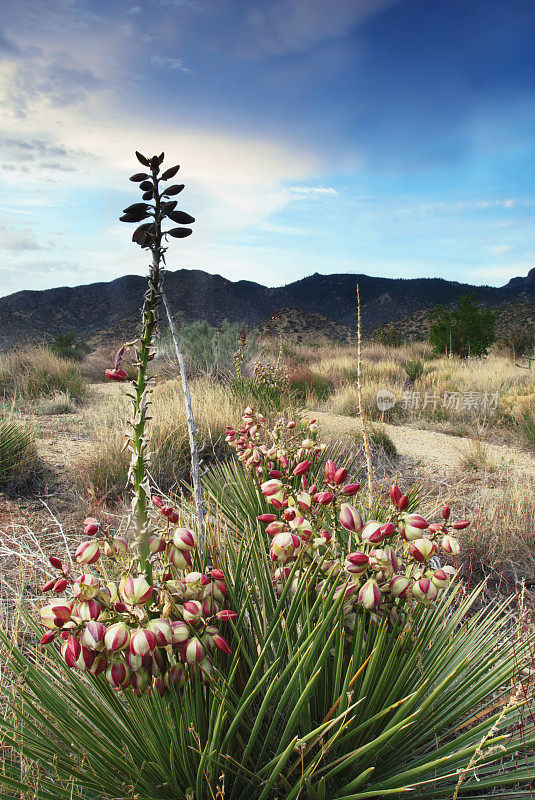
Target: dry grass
<point>35,372</point>
<point>105,471</point>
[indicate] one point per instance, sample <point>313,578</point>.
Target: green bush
<point>414,368</point>
<point>18,454</point>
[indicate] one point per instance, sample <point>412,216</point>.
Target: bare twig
<point>365,438</point>
<point>195,465</point>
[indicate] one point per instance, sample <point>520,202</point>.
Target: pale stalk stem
<point>362,418</point>
<point>195,465</point>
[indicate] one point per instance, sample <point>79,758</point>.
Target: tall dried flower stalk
<point>362,418</point>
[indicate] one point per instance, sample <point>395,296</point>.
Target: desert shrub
<point>65,345</point>
<point>388,335</point>
<point>34,372</point>
<point>18,453</point>
<point>465,331</point>
<point>476,457</point>
<point>380,438</point>
<point>414,369</point>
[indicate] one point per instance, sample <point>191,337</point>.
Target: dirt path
<point>434,450</point>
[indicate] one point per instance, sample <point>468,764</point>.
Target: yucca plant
<point>429,704</point>
<point>18,453</point>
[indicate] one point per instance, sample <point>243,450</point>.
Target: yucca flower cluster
<point>318,529</point>
<point>139,634</point>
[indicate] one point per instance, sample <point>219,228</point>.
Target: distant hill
<point>104,311</point>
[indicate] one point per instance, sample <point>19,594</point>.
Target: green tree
<point>467,330</point>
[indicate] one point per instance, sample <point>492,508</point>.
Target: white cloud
<point>170,63</point>
<point>311,190</point>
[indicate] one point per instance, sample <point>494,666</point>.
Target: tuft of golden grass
<point>34,372</point>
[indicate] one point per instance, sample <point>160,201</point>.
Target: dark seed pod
<point>176,189</point>
<point>146,185</point>
<point>179,233</point>
<point>169,206</point>
<point>135,208</point>
<point>181,217</point>
<point>143,234</point>
<point>155,163</point>
<point>139,176</point>
<point>135,217</point>
<point>142,159</point>
<point>170,173</point>
<point>161,157</point>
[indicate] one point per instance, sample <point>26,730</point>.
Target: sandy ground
<point>437,451</point>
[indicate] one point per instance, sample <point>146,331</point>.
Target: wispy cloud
<point>311,191</point>
<point>170,63</point>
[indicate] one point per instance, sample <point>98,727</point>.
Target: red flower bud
<point>218,574</point>
<point>49,635</point>
<point>395,494</point>
<point>267,518</point>
<point>226,614</point>
<point>340,476</point>
<point>446,512</point>
<point>157,501</point>
<point>55,562</point>
<point>48,585</point>
<point>274,473</point>
<point>72,650</point>
<point>60,585</point>
<point>301,468</point>
<point>304,482</point>
<point>174,518</point>
<point>403,502</point>
<point>323,498</point>
<point>350,489</point>
<point>460,524</point>
<point>330,470</point>
<point>222,644</point>
<point>289,514</point>
<point>91,529</point>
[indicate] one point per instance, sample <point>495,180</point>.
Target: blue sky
<point>389,137</point>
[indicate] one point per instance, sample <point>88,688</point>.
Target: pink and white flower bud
<point>271,488</point>
<point>87,553</point>
<point>161,628</point>
<point>192,611</point>
<point>440,578</point>
<point>93,635</point>
<point>370,595</point>
<point>100,662</point>
<point>323,498</point>
<point>85,587</point>
<point>340,476</point>
<point>284,546</point>
<point>117,636</point>
<point>175,676</point>
<point>56,615</point>
<point>88,610</point>
<point>422,549</point>
<point>184,539</point>
<point>450,545</point>
<point>180,559</point>
<point>226,614</point>
<point>388,529</point>
<point>209,607</point>
<point>372,533</point>
<point>275,527</point>
<point>179,632</point>
<point>412,526</point>
<point>193,651</point>
<point>304,501</point>
<point>71,651</point>
<point>221,643</point>
<point>134,662</point>
<point>350,518</point>
<point>142,641</point>
<point>117,548</point>
<point>424,590</point>
<point>399,586</point>
<point>84,662</point>
<point>330,470</point>
<point>139,681</point>
<point>136,591</point>
<point>356,563</point>
<point>117,674</point>
<point>157,544</point>
<point>302,467</point>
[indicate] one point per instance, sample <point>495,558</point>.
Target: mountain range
<point>110,310</point>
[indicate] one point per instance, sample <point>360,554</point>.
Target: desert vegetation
<point>328,601</point>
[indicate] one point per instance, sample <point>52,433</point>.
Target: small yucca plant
<point>18,453</point>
